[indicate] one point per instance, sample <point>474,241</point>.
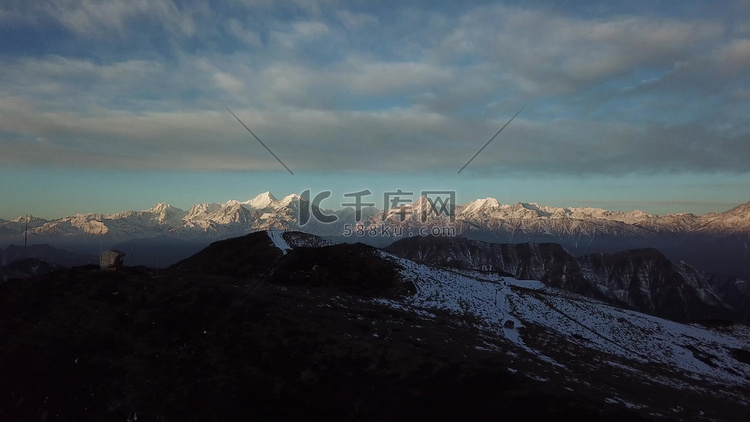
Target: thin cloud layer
<point>402,88</point>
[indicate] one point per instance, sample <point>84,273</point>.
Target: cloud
<point>356,20</point>
<point>72,83</point>
<point>398,140</point>
<point>250,38</point>
<point>392,77</point>
<point>570,53</point>
<point>736,56</point>
<point>101,17</point>
<point>300,32</point>
<point>720,71</point>
<point>404,90</point>
<point>228,83</point>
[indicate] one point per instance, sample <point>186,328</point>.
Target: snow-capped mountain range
<point>265,211</point>
<point>581,230</point>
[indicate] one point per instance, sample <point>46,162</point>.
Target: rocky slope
<point>641,279</point>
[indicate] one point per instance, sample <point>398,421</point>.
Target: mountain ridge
<point>716,242</point>
<point>266,199</point>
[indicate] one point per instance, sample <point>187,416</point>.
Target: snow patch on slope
<point>699,352</point>
<point>461,294</point>
<point>278,240</point>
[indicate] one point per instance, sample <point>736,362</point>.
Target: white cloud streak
<point>103,17</point>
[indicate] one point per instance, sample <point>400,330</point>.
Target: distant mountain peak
<point>742,210</point>
<point>161,207</point>
<point>481,204</point>
<point>421,205</point>
<point>165,213</point>
<point>264,200</point>
<point>288,200</point>
<point>638,213</point>
<point>22,219</point>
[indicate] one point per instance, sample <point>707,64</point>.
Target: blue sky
<point>116,105</point>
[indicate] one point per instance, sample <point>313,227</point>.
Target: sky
<point>108,106</point>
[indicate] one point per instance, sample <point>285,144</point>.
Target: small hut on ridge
<point>111,260</point>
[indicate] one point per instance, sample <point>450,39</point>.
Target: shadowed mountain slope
<point>641,279</point>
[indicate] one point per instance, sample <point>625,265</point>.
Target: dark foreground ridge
<point>274,326</point>
<point>90,345</point>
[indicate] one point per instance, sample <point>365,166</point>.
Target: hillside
<point>641,279</point>
<point>87,345</point>
<point>280,326</point>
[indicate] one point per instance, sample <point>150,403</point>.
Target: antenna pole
<point>26,237</point>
